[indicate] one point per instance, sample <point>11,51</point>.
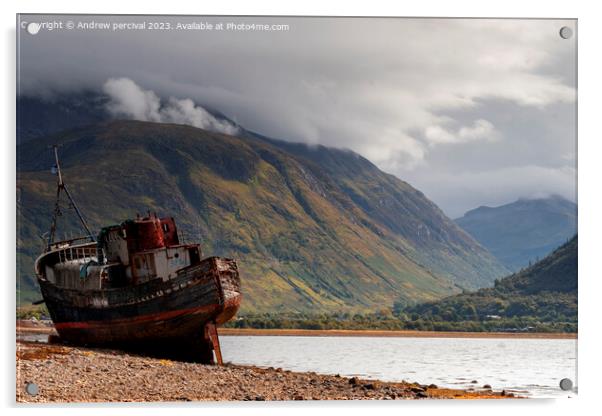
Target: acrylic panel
<point>234,208</point>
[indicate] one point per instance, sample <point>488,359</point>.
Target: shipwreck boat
<point>135,286</point>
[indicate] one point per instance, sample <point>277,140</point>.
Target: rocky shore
<point>72,374</point>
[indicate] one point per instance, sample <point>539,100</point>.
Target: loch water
<point>527,367</point>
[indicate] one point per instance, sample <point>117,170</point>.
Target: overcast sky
<point>471,112</point>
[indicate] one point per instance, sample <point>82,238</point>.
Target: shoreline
<point>41,328</point>
<point>391,333</point>
<point>77,374</point>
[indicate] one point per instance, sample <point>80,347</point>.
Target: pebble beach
<point>74,374</point>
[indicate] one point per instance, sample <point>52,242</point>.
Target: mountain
<point>39,117</point>
<point>523,231</point>
<point>321,231</point>
<point>545,291</point>
<point>400,208</point>
<point>43,116</point>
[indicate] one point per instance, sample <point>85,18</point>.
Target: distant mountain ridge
<point>315,229</point>
<point>523,231</point>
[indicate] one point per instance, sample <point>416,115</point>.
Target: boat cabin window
<point>195,258</point>
<point>165,227</point>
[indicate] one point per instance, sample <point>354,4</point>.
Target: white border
<point>590,209</point>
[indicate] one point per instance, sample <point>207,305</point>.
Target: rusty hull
<point>171,314</point>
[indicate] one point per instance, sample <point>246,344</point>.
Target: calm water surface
<point>531,367</point>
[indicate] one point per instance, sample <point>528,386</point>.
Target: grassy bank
<point>389,333</point>
<point>385,320</point>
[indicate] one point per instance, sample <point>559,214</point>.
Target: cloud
<point>480,130</point>
<point>398,151</point>
<point>128,99</point>
<point>494,187</point>
<point>421,98</point>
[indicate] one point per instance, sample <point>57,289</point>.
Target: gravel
<point>70,374</point>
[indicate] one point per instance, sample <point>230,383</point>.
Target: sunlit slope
<point>303,240</point>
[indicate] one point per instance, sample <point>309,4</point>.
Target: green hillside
<point>404,211</point>
<point>545,292</point>
<point>309,235</point>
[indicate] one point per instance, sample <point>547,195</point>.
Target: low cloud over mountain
<point>432,101</point>
<point>129,100</point>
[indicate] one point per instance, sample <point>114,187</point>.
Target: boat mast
<point>60,186</point>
